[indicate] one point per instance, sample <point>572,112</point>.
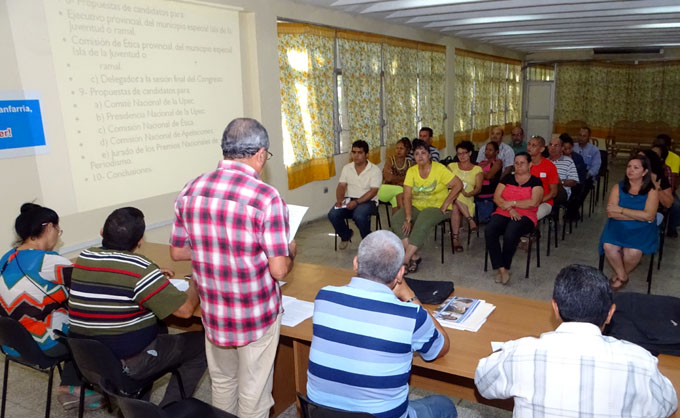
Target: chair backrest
<point>16,337</point>
<point>96,362</point>
<point>314,410</point>
<point>131,407</point>
<point>604,158</point>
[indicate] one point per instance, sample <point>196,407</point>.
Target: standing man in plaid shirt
<point>234,228</point>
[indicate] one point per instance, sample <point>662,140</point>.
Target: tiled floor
<point>315,244</point>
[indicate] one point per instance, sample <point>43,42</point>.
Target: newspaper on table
<point>462,313</point>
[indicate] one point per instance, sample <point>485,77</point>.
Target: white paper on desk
<point>295,215</point>
<point>473,322</point>
<point>180,284</point>
<point>295,311</point>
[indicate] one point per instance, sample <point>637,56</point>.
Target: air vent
<point>619,51</point>
<point>628,54</point>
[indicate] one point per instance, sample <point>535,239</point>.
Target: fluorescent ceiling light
<point>575,47</point>
<point>517,32</point>
<point>658,25</point>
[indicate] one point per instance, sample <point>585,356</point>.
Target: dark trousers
<point>578,196</point>
<point>511,231</point>
<point>361,215</point>
<point>184,352</point>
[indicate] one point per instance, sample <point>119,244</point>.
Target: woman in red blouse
<point>517,197</point>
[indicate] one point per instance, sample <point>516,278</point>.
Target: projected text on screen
<point>145,89</point>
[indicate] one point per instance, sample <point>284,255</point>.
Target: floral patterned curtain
<point>306,77</point>
<point>540,73</point>
<point>432,85</point>
<point>488,92</point>
<point>401,78</point>
<point>602,94</point>
<point>513,115</point>
<point>360,61</point>
<point>465,92</point>
<point>499,89</point>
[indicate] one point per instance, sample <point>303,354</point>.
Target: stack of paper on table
<point>463,313</point>
<point>295,311</point>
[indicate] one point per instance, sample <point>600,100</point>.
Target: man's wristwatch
<point>412,299</point>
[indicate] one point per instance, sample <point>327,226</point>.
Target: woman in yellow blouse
<point>429,189</point>
<point>471,176</point>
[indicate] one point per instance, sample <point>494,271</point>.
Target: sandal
<point>413,265</point>
<point>70,399</point>
<point>472,223</point>
<point>457,247</point>
<point>616,283</point>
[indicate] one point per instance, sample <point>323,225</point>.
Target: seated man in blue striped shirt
<point>365,334</point>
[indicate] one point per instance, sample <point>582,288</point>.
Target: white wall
<point>260,70</point>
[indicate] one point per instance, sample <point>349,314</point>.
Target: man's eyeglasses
<point>269,155</point>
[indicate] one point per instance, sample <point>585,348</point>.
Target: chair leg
<point>538,249</point>
<point>4,386</point>
<point>556,225</point>
<point>650,271</point>
<point>453,250</point>
<point>81,405</point>
<point>442,239</point>
<point>547,252</point>
<point>601,265</point>
<point>486,259</point>
<point>49,392</point>
<point>526,273</point>
<point>387,212</point>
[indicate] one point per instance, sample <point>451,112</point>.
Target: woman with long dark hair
<point>630,230</point>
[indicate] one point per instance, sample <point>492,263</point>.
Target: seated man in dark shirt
<point>117,297</point>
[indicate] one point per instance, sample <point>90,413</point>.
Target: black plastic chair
<point>311,409</point>
<point>442,226</point>
<point>96,362</point>
<point>534,235</point>
<point>138,408</point>
<point>388,209</point>
<point>15,336</point>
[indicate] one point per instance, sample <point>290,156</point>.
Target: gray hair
<point>380,256</point>
<point>243,138</point>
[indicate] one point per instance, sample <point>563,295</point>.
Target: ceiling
<point>532,25</point>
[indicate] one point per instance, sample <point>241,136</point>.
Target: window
<point>340,86</point>
<point>488,92</point>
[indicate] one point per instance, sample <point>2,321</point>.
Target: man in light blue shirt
<point>364,336</point>
<point>589,152</point>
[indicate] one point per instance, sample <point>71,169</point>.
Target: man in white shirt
<point>356,194</point>
<point>505,152</point>
<point>575,371</point>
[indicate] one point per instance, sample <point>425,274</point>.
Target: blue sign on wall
<point>21,124</point>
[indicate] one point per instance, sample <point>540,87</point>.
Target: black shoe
<point>672,233</point>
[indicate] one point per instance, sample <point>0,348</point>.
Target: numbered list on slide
<point>145,89</point>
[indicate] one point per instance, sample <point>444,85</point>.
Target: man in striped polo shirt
<point>117,297</point>
<point>365,334</point>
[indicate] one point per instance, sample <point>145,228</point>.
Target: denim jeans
<point>435,406</point>
<point>361,216</point>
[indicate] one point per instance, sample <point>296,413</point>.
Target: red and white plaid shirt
<point>233,222</point>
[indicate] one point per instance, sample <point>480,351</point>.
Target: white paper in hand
<point>180,284</point>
